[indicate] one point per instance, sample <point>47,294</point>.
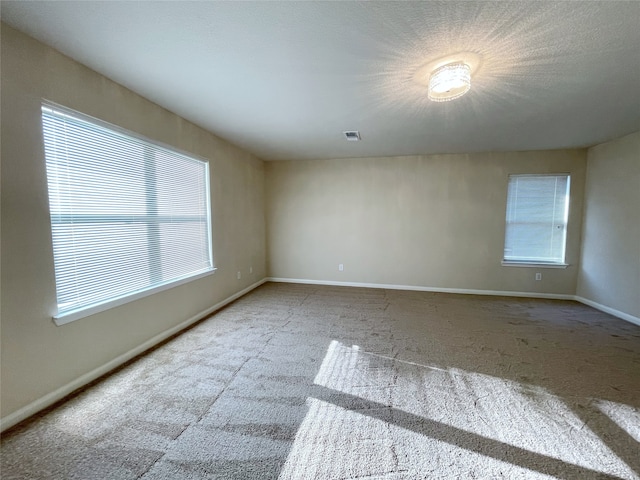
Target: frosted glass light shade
<point>449,82</point>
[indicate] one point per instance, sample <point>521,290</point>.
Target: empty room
<point>320,240</point>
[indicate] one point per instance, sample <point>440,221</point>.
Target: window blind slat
<point>127,214</point>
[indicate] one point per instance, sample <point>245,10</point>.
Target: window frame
<point>101,306</point>
<point>539,263</point>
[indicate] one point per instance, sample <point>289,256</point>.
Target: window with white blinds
<point>128,217</point>
<point>537,214</point>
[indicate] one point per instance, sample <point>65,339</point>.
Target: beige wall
<point>610,265</point>
<point>429,221</point>
<point>37,356</point>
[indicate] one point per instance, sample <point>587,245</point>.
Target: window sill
<point>507,263</point>
<point>101,307</point>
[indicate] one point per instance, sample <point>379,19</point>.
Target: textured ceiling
<point>285,79</point>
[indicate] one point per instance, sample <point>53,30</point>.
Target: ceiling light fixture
<point>449,82</point>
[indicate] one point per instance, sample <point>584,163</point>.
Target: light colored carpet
<point>311,382</point>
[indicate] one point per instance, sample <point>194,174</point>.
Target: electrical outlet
<point>341,268</point>
<point>239,275</point>
<point>538,276</point>
<point>250,269</point>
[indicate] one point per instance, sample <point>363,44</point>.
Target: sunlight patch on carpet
<point>522,417</point>
<point>625,416</point>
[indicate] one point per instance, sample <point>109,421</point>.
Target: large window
<point>537,213</point>
<point>128,217</point>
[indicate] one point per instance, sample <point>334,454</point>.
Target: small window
<point>537,214</point>
<point>128,217</point>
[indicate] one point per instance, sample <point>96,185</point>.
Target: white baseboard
<point>51,398</point>
<point>609,310</point>
<point>499,293</point>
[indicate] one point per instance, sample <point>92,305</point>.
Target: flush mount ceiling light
<point>448,77</point>
<point>449,82</point>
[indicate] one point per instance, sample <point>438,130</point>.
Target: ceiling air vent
<point>352,135</point>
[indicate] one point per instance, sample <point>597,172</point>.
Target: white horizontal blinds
<point>126,215</point>
<point>537,213</point>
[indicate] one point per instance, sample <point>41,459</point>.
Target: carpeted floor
<point>312,382</point>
